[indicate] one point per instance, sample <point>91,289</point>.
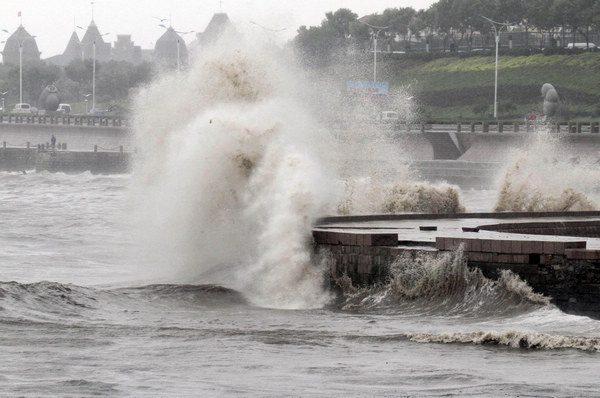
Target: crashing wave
<point>443,283</point>
<point>513,339</point>
<point>401,198</point>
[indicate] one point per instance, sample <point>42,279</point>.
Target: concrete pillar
<point>516,127</point>
<point>64,146</point>
<point>120,148</point>
<point>486,127</point>
<point>472,127</point>
<point>4,144</point>
<point>95,148</point>
<point>422,127</point>
<point>500,127</point>
<point>28,144</point>
<point>579,127</point>
<point>458,128</point>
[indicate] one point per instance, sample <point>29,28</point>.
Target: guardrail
<point>66,120</point>
<point>46,146</point>
<point>492,127</point>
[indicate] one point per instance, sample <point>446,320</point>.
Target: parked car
<point>389,116</point>
<point>64,108</point>
<point>582,46</point>
<point>22,108</point>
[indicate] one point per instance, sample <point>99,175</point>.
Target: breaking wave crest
<point>434,284</point>
<point>520,193</point>
<point>400,198</point>
<point>545,178</point>
<point>513,339</point>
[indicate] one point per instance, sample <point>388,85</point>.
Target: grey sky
<point>52,22</point>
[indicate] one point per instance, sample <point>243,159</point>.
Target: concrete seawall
<point>54,160</point>
<point>557,254</point>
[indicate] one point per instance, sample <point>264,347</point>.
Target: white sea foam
<point>546,177</point>
<point>230,176</point>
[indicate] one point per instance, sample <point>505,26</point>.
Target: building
<point>170,50</point>
<point>72,52</point>
<point>20,41</point>
<point>125,50</point>
<point>93,45</point>
<point>217,27</point>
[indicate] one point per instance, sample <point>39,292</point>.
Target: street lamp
<point>3,94</point>
<point>375,36</point>
<point>94,73</point>
<point>497,35</point>
<point>85,99</point>
<point>178,41</point>
<point>21,66</point>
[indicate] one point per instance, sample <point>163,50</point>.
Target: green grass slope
<point>451,87</point>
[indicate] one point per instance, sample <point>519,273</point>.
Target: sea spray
<point>366,196</point>
<point>231,177</point>
<point>544,177</point>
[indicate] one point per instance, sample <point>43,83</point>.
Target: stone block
<point>476,245</point>
<point>505,246</point>
<point>384,239</point>
<point>516,246</point>
<point>486,245</point>
<point>320,236</point>
<point>548,248</point>
<point>521,259</point>
<point>504,258</point>
<point>352,239</point>
<point>496,246</point>
<point>440,243</point>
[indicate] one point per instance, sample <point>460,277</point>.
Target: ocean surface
<point>84,312</point>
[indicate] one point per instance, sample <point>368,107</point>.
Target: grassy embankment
<point>449,88</point>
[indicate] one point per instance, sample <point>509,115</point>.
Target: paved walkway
<point>424,231</point>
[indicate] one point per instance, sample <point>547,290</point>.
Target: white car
<point>64,108</point>
<point>22,108</point>
<point>582,46</point>
<point>389,116</point>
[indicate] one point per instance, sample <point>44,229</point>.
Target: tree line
<point>114,81</point>
<point>455,22</point>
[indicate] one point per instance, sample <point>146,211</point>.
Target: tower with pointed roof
<point>218,25</point>
<point>92,36</point>
<point>30,52</point>
<point>170,49</point>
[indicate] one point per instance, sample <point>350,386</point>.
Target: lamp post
<point>85,99</point>
<point>178,42</point>
<point>21,66</point>
<point>497,36</point>
<point>3,94</point>
<point>375,36</point>
<point>94,73</point>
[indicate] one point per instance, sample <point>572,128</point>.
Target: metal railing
<point>65,120</point>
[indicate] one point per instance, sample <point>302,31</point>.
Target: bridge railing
<point>66,120</point>
<point>500,127</point>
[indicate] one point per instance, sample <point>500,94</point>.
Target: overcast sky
<point>53,21</point>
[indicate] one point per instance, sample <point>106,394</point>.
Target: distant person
<point>53,140</point>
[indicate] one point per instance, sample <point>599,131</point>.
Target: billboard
<point>367,89</point>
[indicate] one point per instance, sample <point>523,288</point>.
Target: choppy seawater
<point>79,316</point>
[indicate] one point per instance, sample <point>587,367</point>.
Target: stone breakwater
<point>557,258</point>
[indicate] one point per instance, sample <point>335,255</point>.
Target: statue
<point>49,99</point>
<point>551,100</point>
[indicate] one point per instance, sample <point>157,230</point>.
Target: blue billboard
<point>367,89</point>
